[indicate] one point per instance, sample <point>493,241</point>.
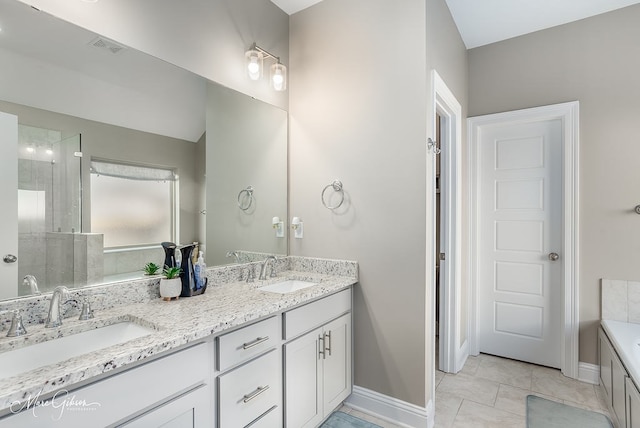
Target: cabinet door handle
<point>254,394</point>
<point>321,347</point>
<point>258,341</point>
<point>327,348</point>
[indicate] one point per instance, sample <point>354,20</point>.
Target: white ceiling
<point>293,6</point>
<point>481,22</point>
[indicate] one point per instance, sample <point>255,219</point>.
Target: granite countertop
<point>176,323</point>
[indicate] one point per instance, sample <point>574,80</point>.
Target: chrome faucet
<point>59,297</point>
<point>30,281</point>
<point>263,270</point>
<point>235,255</point>
<point>17,327</point>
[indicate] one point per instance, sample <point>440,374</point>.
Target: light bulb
<point>254,64</point>
<point>279,77</point>
<point>49,151</point>
<point>30,149</point>
<point>277,80</point>
<point>254,68</point>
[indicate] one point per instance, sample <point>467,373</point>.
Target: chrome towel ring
<point>248,196</point>
<point>337,187</point>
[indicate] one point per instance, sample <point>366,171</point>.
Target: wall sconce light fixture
<point>278,225</point>
<point>255,62</point>
<point>297,226</point>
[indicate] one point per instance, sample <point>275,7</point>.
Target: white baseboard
<point>391,409</point>
<point>589,373</point>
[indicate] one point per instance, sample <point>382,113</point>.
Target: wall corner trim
<point>391,409</point>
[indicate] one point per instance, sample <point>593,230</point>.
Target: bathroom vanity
<point>620,370</point>
<point>236,356</point>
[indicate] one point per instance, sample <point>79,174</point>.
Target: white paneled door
<point>9,212</point>
<point>520,240</point>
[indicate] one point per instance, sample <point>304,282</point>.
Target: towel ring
<point>249,195</point>
<point>337,186</point>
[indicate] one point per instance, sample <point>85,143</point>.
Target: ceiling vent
<point>106,44</point>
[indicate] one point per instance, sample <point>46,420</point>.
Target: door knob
<point>10,258</point>
<point>553,256</point>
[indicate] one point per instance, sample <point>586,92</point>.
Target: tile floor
<point>491,392</point>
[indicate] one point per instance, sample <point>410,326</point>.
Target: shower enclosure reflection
<point>49,192</point>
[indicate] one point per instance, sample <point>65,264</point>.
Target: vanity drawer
<point>249,391</point>
<point>308,317</point>
<point>271,419</point>
<point>243,344</point>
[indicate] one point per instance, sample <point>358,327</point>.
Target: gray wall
<point>596,62</point>
<point>358,103</point>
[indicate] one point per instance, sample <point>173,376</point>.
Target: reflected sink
<point>288,286</point>
<point>27,358</point>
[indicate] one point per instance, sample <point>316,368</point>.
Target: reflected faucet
<point>30,281</point>
<point>263,271</point>
<point>59,297</point>
<point>235,255</point>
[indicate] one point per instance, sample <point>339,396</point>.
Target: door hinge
<point>442,256</point>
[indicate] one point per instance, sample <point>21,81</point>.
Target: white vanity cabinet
<point>613,379</point>
<point>172,390</point>
<point>290,369</point>
<point>317,363</point>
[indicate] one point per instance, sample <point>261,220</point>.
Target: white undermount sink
<point>288,286</point>
<point>31,357</point>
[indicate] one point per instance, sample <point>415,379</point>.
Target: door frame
<point>568,113</point>
<point>453,350</point>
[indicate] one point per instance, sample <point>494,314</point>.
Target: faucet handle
<point>251,275</point>
<point>87,312</point>
<point>17,327</point>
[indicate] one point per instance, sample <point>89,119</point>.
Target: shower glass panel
<point>49,206</point>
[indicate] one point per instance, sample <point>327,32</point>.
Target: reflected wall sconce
<point>297,226</point>
<point>278,225</point>
<point>255,64</point>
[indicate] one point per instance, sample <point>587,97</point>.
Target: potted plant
<point>151,269</point>
<point>171,284</point>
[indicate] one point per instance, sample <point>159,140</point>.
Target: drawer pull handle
<point>321,347</point>
<point>256,342</point>
<point>327,348</point>
<point>255,393</point>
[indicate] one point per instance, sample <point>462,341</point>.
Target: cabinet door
<point>303,365</point>
<point>336,375</point>
<point>618,395</point>
<point>606,356</point>
<point>192,409</point>
<point>633,405</point>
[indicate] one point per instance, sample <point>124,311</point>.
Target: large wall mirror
<point>118,151</point>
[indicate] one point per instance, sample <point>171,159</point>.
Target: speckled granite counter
<point>227,303</point>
